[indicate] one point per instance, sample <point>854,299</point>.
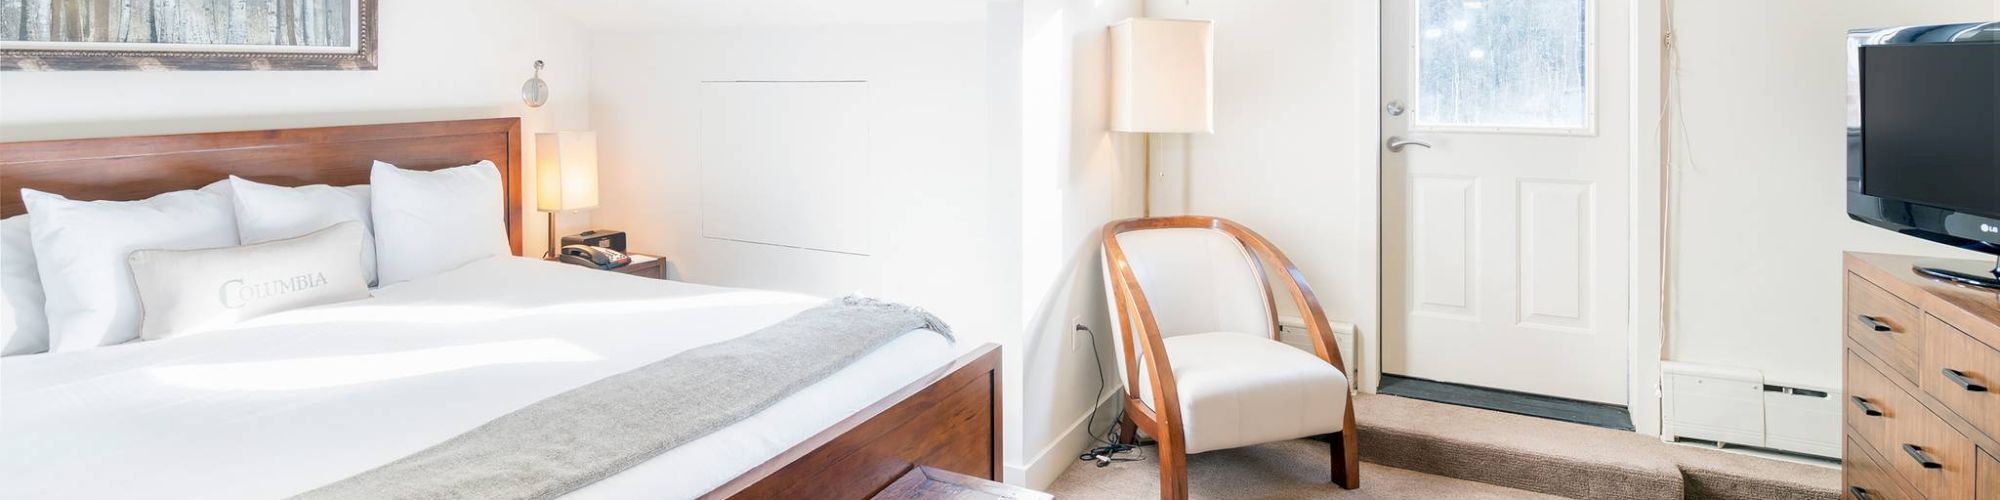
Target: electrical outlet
<point>1081,333</point>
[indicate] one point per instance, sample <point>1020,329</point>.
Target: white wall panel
<point>786,164</point>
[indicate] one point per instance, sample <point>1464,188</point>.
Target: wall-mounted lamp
<point>1162,80</point>
<point>535,92</point>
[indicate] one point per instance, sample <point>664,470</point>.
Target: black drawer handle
<point>1874,324</point>
<point>1866,408</point>
<point>1958,377</point>
<point>1921,458</point>
<point>1859,494</point>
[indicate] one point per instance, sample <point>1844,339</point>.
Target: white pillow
<point>431,222</point>
<point>81,247</point>
<point>24,327</point>
<point>189,291</point>
<point>267,213</point>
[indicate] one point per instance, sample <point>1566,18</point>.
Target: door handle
<point>1858,492</point>
<point>1396,144</point>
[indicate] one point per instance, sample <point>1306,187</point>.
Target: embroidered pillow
<point>266,212</point>
<point>184,292</point>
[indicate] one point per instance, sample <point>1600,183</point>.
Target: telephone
<point>598,257</point>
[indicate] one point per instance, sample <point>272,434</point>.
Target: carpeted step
<point>1569,460</point>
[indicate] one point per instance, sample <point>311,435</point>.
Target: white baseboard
<point>1050,462</point>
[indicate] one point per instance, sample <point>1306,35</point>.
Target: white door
<point>1505,232</point>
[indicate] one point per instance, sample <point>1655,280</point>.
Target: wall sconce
<point>535,92</point>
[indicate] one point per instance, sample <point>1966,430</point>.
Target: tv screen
<point>1932,125</point>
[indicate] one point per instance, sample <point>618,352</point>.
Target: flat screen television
<point>1923,138</point>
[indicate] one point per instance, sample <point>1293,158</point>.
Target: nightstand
<point>651,266</point>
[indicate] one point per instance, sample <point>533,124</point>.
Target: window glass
<point>1502,63</point>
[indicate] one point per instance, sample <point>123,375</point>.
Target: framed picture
<point>165,35</point>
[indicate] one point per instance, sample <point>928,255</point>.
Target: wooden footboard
<point>948,420</point>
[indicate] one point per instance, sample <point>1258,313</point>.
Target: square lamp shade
<point>1162,75</point>
<point>565,171</point>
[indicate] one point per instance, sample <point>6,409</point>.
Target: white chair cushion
<point>1239,389</point>
<point>1197,280</point>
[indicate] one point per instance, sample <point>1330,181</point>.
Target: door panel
<point>1506,231</point>
<point>1555,254</point>
<point>1443,211</point>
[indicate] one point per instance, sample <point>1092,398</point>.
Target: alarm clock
<point>601,238</point>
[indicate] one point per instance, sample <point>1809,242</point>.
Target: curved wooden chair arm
<point>1302,294</point>
<point>1132,304</point>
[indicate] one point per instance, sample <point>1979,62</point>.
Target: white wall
<point>926,148</point>
<point>1762,162</point>
<point>989,129</point>
<point>440,60</point>
<point>1293,153</point>
<point>1073,176</point>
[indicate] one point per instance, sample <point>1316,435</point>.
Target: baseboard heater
<point>1738,406</point>
<point>1292,331</point>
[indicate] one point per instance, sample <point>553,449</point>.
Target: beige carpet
<point>1289,469</point>
<point>1419,449</point>
<point>1570,460</point>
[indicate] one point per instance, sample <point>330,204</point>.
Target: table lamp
<point>565,175</point>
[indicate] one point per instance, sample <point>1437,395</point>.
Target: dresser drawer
<point>1886,325</point>
<point>1962,373</point>
<point>1989,477</point>
<point>1866,479</point>
<point>1930,455</point>
<point>1872,401</point>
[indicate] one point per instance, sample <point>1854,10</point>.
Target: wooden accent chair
<point>1198,349</point>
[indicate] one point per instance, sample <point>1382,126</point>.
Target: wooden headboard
<point>132,168</point>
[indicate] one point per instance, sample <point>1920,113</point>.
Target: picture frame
<point>345,30</point>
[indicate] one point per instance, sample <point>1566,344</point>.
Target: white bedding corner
<point>288,402</point>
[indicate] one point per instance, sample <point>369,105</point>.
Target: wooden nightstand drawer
<point>1932,456</point>
<point>1961,372</point>
<point>645,265</point>
<point>1886,325</point>
<point>1867,479</point>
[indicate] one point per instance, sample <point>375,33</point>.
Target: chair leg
<point>1173,470</point>
<point>1128,431</point>
<point>1346,453</point>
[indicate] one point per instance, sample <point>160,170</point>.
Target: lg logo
<point>1988,228</point>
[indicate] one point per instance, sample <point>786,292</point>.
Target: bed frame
<point>949,419</point>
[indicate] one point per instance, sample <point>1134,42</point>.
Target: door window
<point>1521,65</point>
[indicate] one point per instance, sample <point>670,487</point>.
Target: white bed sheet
<point>295,400</point>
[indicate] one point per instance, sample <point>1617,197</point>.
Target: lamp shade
<point>565,171</point>
<point>1162,75</point>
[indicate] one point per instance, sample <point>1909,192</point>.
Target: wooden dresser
<point>1922,371</point>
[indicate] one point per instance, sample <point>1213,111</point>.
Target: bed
<point>287,402</point>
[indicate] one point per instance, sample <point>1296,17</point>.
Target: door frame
<point>1646,323</point>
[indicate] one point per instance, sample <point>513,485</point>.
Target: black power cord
<point>1108,453</point>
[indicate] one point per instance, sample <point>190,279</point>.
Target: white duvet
<point>295,400</point>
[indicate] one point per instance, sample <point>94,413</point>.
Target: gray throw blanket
<point>576,438</point>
